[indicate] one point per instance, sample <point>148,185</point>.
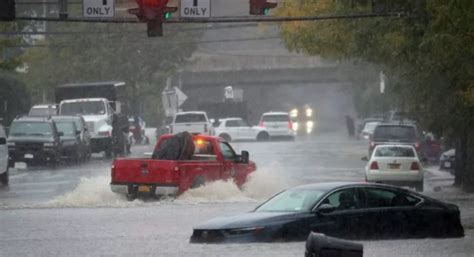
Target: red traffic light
<point>153,12</point>
<point>260,7</point>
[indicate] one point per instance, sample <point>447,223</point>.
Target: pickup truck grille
<point>29,147</point>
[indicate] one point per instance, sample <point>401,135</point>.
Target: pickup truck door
<point>229,157</point>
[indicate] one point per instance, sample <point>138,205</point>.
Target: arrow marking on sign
<point>195,2</point>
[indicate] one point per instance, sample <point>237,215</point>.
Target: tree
<point>427,57</point>
<point>98,52</point>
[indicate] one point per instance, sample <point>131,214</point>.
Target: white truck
<point>99,103</point>
<point>192,122</point>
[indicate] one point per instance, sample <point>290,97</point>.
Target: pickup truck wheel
<point>4,178</point>
<point>198,181</point>
<point>263,136</point>
<point>226,137</point>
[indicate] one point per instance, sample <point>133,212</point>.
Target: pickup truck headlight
<point>245,231</point>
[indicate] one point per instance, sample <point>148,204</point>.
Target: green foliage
<point>428,57</point>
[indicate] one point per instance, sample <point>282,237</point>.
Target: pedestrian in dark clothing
<point>350,126</point>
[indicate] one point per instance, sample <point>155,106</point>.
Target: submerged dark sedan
<point>346,210</point>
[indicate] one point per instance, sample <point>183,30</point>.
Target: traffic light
<point>261,7</point>
<point>153,12</point>
<point>7,10</point>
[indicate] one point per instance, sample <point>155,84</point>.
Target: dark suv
<point>34,140</point>
<point>387,133</point>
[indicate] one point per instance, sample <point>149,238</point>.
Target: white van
<point>3,157</point>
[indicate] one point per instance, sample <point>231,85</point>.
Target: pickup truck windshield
<point>23,128</point>
<point>87,108</point>
<point>191,117</point>
<point>43,111</point>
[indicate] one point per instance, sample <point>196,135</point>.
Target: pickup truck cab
<point>192,122</point>
<point>213,159</point>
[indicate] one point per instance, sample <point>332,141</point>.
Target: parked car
<point>395,164</point>
<point>339,209</point>
<point>386,133</point>
<point>74,147</point>
<point>192,122</point>
<point>447,161</point>
<point>43,110</point>
<point>278,125</point>
<point>34,140</point>
<point>3,157</point>
<point>237,129</point>
<point>212,159</point>
<point>368,129</point>
<point>361,126</point>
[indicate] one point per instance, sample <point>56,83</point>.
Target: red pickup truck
<point>213,159</point>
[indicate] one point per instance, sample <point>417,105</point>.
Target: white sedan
<point>237,129</point>
<point>395,164</point>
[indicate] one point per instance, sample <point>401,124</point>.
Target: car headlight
<point>309,127</point>
<point>49,144</point>
<point>10,143</point>
<point>309,112</point>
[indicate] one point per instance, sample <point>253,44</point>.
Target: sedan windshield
<point>294,200</point>
<point>394,152</point>
<point>30,129</point>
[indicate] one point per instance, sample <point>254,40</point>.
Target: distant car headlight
<point>10,143</point>
<point>309,126</point>
<point>48,144</point>
<point>295,126</point>
<point>309,112</point>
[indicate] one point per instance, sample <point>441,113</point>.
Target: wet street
<point>71,211</point>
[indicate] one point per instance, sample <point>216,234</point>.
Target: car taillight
<point>374,165</point>
<point>112,171</point>
<point>205,128</point>
<point>261,124</point>
<point>414,166</point>
<point>417,146</point>
<point>290,125</point>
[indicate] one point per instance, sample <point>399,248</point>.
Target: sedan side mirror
<point>326,208</point>
<point>365,159</point>
<point>244,157</point>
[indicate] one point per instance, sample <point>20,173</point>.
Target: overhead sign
<point>98,8</point>
<point>195,8</point>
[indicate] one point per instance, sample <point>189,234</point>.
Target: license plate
<point>447,165</point>
<point>29,156</point>
<point>394,166</point>
<point>144,189</point>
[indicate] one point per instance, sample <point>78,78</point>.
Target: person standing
<point>350,126</point>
